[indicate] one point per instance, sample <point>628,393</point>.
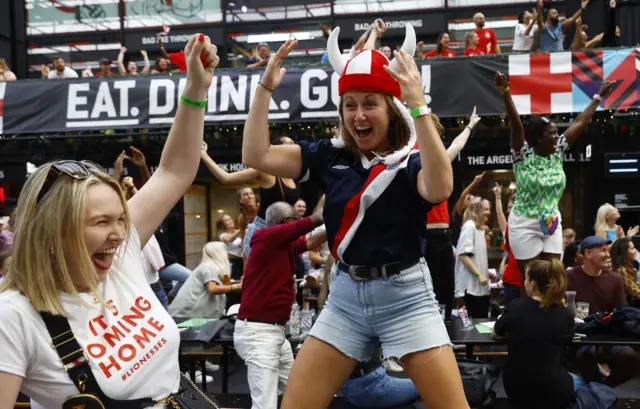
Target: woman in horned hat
<point>381,288</point>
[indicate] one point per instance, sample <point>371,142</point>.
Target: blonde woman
<point>5,73</point>
<point>77,255</point>
<point>472,267</point>
<point>606,226</point>
<point>203,295</point>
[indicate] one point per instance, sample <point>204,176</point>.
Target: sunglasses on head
<point>78,170</point>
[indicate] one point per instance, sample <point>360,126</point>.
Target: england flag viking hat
<point>365,72</point>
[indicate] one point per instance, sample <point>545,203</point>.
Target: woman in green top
<point>535,230</point>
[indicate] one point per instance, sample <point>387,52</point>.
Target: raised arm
<point>379,27</point>
<point>257,152</point>
<point>577,127</point>
<point>118,166</point>
<point>459,207</point>
<point>568,22</point>
<point>229,237</point>
<point>140,161</point>
<point>534,20</point>
<point>539,16</point>
<point>461,140</point>
<point>516,138</point>
<point>594,41</point>
<point>181,153</point>
<point>121,69</point>
<point>163,52</point>
<point>502,220</point>
<point>435,179</point>
<point>226,178</point>
<point>147,66</point>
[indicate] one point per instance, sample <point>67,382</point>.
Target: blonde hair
<point>601,217</point>
<point>326,282</point>
<point>215,252</point>
<point>3,65</point>
<point>398,134</point>
<point>473,211</point>
<point>45,229</point>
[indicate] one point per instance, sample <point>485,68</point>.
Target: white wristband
<point>597,97</point>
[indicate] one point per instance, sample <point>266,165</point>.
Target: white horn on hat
<point>409,46</point>
<point>336,58</point>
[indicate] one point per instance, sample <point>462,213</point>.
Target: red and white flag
<point>541,83</point>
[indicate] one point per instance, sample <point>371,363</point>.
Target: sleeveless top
<point>279,192</point>
<point>234,248</point>
<point>439,214</point>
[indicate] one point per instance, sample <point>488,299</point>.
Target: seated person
<point>623,257</point>
<point>603,289</point>
<point>538,330</point>
<point>203,294</point>
<point>267,297</point>
<point>369,386</point>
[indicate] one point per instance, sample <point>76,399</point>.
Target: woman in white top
<point>77,254</point>
<point>525,32</point>
<point>472,267</point>
<point>203,295</point>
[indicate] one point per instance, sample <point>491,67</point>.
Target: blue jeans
<point>162,296</point>
<point>257,224</point>
<point>379,390</point>
<point>175,272</point>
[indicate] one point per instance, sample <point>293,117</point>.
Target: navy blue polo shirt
<point>394,226</point>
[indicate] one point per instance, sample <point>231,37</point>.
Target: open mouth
<point>364,131</point>
<point>104,259</point>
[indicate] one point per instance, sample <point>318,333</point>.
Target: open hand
<point>143,52</point>
<point>632,231</point>
<point>409,79</point>
<point>202,59</point>
<point>274,72</point>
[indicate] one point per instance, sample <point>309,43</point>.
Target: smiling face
<point>366,117</point>
<point>387,52</point>
<point>247,198</point>
<point>227,222</point>
<point>444,41</point>
<point>613,216</point>
<point>300,208</point>
<point>548,141</point>
<point>631,252</point>
<point>598,257</point>
<point>263,52</point>
<point>132,68</point>
<point>104,231</point>
<point>485,212</point>
<point>479,20</point>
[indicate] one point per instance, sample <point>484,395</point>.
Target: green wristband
<point>192,102</point>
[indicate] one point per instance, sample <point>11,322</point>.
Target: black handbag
<point>76,364</point>
<point>478,379</point>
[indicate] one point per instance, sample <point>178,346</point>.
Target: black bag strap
<point>76,363</point>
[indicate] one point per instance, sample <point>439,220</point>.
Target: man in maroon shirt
<point>267,297</point>
<point>603,289</point>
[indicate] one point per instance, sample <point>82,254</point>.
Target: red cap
<point>364,72</point>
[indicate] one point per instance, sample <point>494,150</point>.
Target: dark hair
<point>438,43</point>
<point>534,129</point>
<point>619,250</point>
<point>56,58</point>
<point>551,280</point>
<point>569,256</point>
<point>521,17</point>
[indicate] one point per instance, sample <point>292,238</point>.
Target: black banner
<point>540,84</point>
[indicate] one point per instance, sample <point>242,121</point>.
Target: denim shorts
<point>400,311</point>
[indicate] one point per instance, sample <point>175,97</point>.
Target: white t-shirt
<point>472,242</point>
<point>67,73</point>
<point>521,41</point>
<point>132,348</point>
<point>235,247</point>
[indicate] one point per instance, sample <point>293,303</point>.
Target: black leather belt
<point>362,273</point>
<point>282,324</point>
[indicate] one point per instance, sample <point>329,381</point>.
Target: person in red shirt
<point>488,42</point>
<point>177,59</point>
<point>471,41</point>
<point>267,296</point>
<point>442,49</point>
<point>105,68</point>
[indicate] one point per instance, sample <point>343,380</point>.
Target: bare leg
<point>437,377</point>
<point>321,363</point>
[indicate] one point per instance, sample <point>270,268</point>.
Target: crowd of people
<point>90,249</point>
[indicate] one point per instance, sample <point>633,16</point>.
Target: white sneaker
<point>392,365</point>
<point>199,377</point>
<point>211,367</point>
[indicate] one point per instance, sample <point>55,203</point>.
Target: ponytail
<point>551,280</point>
<point>326,282</point>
